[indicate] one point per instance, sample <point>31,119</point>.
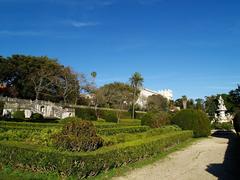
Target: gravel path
<point>212,158</point>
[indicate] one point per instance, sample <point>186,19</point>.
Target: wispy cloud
<point>21,33</point>
<point>80,24</point>
<point>146,2</point>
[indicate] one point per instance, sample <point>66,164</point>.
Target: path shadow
<point>229,169</point>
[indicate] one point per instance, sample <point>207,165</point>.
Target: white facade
<point>145,93</point>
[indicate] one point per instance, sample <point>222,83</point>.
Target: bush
<point>155,120</point>
<point>86,114</point>
<point>36,117</point>
<point>130,122</point>
<point>69,119</point>
<point>1,107</point>
<point>86,164</point>
<point>222,126</point>
<point>78,136</point>
<point>236,122</point>
<point>118,130</point>
<point>195,120</point>
<point>19,115</point>
<point>125,137</point>
<point>109,116</point>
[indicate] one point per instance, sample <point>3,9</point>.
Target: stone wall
<point>46,108</point>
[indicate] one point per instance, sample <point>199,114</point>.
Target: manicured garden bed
<point>29,146</point>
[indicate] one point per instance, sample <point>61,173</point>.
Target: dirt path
<point>207,159</point>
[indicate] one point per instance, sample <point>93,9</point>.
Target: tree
<point>234,96</point>
<point>190,104</point>
<point>115,95</point>
<point>199,104</point>
<point>31,77</point>
<point>44,78</point>
<point>157,103</point>
<point>69,85</point>
<point>136,82</point>
<point>211,105</point>
<point>184,102</point>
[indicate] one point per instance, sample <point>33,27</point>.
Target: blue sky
<point>189,46</point>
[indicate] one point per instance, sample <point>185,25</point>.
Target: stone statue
<point>221,117</point>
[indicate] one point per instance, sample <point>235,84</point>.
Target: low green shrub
<point>130,122</point>
<point>33,157</point>
<point>86,114</point>
<point>101,120</point>
<point>222,126</point>
<point>43,137</point>
<point>69,119</point>
<point>126,129</point>
<point>78,136</point>
<point>155,119</point>
<point>19,115</point>
<point>139,115</point>
<point>27,125</point>
<point>195,120</point>
<point>36,117</point>
<point>109,116</point>
<point>125,137</point>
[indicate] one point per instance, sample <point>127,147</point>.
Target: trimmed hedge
<point>155,119</point>
<point>78,136</point>
<point>118,130</point>
<point>108,115</point>
<point>86,164</point>
<point>19,115</point>
<point>28,124</point>
<point>196,120</point>
<point>125,137</point>
<point>130,122</point>
<point>222,126</point>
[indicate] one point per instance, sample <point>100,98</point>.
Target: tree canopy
<point>31,77</point>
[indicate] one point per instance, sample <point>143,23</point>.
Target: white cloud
<point>20,33</point>
<point>84,24</point>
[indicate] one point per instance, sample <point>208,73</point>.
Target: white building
<point>145,93</point>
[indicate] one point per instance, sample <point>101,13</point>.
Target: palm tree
<point>136,82</point>
<point>184,101</point>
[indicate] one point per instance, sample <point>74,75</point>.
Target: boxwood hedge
<point>44,159</point>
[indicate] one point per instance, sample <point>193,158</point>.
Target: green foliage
<point>236,122</point>
<point>1,108</point>
<point>155,119</point>
<point>211,104</point>
<point>86,164</point>
<point>130,122</point>
<point>19,115</point>
<point>27,125</point>
<point>125,137</point>
<point>78,136</point>
<point>195,120</point>
<point>157,103</point>
<point>69,119</point>
<point>86,114</point>
<point>100,120</point>
<point>109,116</point>
<point>222,126</point>
<point>36,117</point>
<point>43,137</point>
<point>234,96</point>
<point>125,129</point>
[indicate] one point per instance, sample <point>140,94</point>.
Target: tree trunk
<point>133,105</point>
